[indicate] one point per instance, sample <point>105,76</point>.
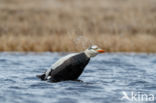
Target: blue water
<point>105,79</point>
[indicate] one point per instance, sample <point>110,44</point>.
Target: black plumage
<point>71,69</point>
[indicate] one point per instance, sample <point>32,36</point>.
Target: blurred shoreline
<point>73,25</point>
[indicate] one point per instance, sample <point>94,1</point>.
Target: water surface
<point>105,78</point>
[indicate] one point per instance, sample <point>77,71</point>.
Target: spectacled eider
<point>71,66</point>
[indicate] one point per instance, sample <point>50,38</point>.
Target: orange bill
<point>100,51</point>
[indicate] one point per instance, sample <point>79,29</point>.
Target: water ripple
<point>104,78</point>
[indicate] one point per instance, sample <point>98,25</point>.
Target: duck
<point>71,66</point>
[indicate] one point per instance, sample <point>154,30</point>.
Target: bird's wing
<point>58,63</point>
<point>71,68</point>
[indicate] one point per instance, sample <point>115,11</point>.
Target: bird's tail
<point>42,76</point>
<point>45,75</point>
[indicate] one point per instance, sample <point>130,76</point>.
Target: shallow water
<point>105,79</point>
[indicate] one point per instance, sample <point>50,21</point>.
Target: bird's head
<point>93,51</point>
